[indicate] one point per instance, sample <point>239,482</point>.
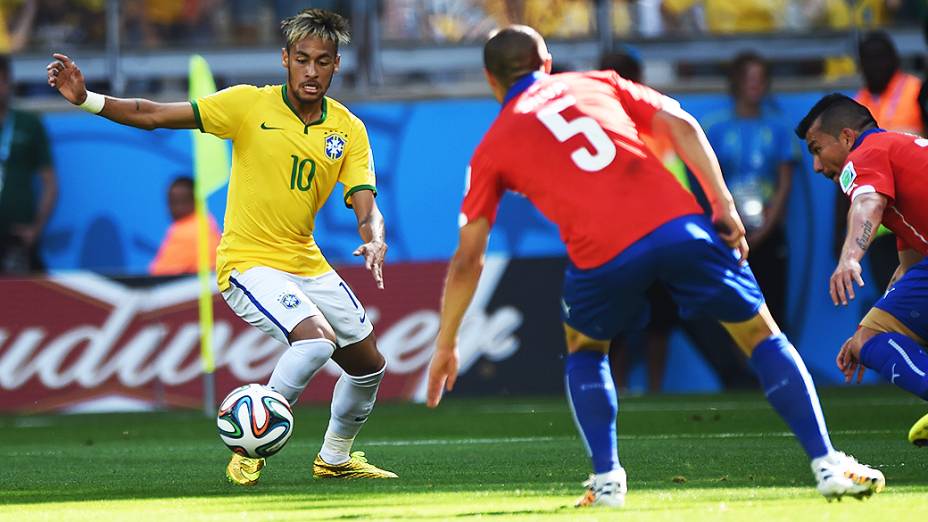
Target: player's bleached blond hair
<point>318,23</point>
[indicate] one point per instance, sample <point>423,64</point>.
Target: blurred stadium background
<point>96,332</point>
<point>413,74</point>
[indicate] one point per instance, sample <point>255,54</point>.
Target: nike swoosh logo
<point>363,317</point>
<point>265,127</point>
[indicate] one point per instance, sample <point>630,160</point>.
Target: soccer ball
<point>255,421</point>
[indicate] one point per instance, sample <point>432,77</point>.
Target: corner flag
<point>210,173</point>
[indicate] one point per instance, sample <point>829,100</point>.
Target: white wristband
<point>94,103</point>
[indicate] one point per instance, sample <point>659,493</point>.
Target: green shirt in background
<point>29,153</point>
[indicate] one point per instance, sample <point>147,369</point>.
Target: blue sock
<point>789,389</point>
<point>592,397</point>
<point>899,359</point>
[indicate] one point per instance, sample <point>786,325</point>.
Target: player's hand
<point>848,363</point>
<point>443,372</point>
<point>64,75</point>
<point>730,228</point>
<point>841,286</point>
<point>374,252</point>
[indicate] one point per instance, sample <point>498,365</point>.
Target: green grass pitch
<point>719,457</point>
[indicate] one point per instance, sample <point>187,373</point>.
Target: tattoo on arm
<point>864,240</point>
<point>137,105</point>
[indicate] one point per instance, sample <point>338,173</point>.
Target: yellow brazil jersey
<point>282,172</point>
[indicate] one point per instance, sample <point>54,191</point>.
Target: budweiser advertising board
<point>82,342</point>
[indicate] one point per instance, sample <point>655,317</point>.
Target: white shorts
<point>275,302</point>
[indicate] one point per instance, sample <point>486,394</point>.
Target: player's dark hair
<point>512,52</point>
<point>320,23</point>
<point>738,68</point>
<point>626,62</point>
<point>836,112</point>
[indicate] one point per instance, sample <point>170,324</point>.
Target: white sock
<point>352,402</point>
<point>335,449</point>
<point>297,366</point>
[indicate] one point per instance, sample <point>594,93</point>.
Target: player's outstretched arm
<point>65,76</point>
<point>863,219</point>
<point>460,284</point>
<point>371,230</point>
<point>691,144</point>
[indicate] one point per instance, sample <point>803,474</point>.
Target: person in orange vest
<point>891,96</point>
<point>889,93</point>
<point>178,252</point>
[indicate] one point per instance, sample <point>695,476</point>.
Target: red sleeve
<point>640,102</point>
<point>869,170</point>
<point>482,191</point>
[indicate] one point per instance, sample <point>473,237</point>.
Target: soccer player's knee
<point>368,366</point>
<point>860,339</point>
<point>313,352</point>
<point>314,327</point>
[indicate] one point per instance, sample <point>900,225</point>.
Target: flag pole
<point>211,172</point>
<point>204,274</point>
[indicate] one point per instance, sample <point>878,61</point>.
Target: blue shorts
<point>907,300</point>
<point>687,255</point>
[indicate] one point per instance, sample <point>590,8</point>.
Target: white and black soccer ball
<point>255,421</point>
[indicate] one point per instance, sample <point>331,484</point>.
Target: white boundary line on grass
<point>667,436</point>
<point>636,406</point>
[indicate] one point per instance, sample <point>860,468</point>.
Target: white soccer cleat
<point>606,489</point>
<point>839,474</point>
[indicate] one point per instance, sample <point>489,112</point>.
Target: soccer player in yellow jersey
<point>291,144</point>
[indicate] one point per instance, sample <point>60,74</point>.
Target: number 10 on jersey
<point>296,173</point>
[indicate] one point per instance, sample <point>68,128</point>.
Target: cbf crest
<point>334,146</point>
<point>289,301</point>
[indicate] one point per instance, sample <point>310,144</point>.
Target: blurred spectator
<point>891,95</point>
<point>24,156</point>
<point>844,14</point>
<point>436,20</point>
<point>551,18</point>
<point>16,21</point>
<point>153,23</point>
<point>649,19</point>
<point>178,252</point>
<point>463,20</point>
<point>758,153</point>
<point>69,22</point>
<point>727,16</point>
<point>403,20</point>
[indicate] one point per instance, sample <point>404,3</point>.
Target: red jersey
<point>570,143</point>
<point>894,165</point>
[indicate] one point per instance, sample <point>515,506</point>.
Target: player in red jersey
<point>570,143</point>
<point>884,174</point>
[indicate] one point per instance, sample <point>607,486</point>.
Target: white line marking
<point>644,406</point>
<point>667,436</point>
